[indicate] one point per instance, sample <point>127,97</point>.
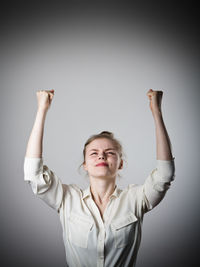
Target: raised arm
<point>159,181</point>
<point>34,146</point>
<point>44,182</point>
<point>163,144</point>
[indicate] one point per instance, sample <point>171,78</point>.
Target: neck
<point>101,190</point>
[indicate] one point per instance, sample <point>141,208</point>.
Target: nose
<point>102,156</point>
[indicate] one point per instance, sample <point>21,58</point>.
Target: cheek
<point>88,163</point>
<point>115,163</point>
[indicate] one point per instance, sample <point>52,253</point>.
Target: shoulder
<point>132,189</point>
<point>72,188</point>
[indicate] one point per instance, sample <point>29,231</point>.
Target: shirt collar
<point>86,192</point>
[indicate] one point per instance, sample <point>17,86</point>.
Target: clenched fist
<point>44,99</point>
<point>155,98</point>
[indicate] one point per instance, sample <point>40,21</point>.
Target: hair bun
<point>107,134</point>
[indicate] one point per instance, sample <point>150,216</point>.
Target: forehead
<point>101,143</point>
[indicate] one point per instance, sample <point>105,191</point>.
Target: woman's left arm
<point>159,181</point>
<point>163,144</point>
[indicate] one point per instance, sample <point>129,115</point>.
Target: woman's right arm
<point>44,182</point>
<point>34,146</point>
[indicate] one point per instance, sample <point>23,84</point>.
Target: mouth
<point>102,164</point>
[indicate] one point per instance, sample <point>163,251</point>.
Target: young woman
<point>102,224</point>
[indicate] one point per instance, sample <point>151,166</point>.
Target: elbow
<point>166,170</point>
<point>42,182</point>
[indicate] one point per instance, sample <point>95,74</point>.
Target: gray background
<point>101,58</point>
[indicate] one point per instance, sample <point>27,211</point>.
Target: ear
<point>85,167</point>
<point>121,165</point>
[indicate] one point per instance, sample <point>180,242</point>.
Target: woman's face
<point>102,160</point>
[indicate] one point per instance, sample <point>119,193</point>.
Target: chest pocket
<point>124,230</point>
<point>79,229</point>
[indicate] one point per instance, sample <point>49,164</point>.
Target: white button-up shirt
<point>89,239</point>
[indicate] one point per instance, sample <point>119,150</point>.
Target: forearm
<point>35,142</point>
<point>163,144</point>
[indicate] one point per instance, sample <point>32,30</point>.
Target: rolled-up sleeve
<point>157,183</point>
<point>44,182</point>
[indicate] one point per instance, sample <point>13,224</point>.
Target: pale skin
<point>102,178</point>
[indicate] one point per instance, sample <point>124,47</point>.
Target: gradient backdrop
<point>101,58</point>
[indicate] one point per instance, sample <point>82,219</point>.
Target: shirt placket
<point>101,234</point>
<point>100,247</point>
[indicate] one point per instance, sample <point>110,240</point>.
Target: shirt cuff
<point>166,168</point>
<point>32,167</point>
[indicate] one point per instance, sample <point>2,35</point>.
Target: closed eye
<point>110,152</point>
